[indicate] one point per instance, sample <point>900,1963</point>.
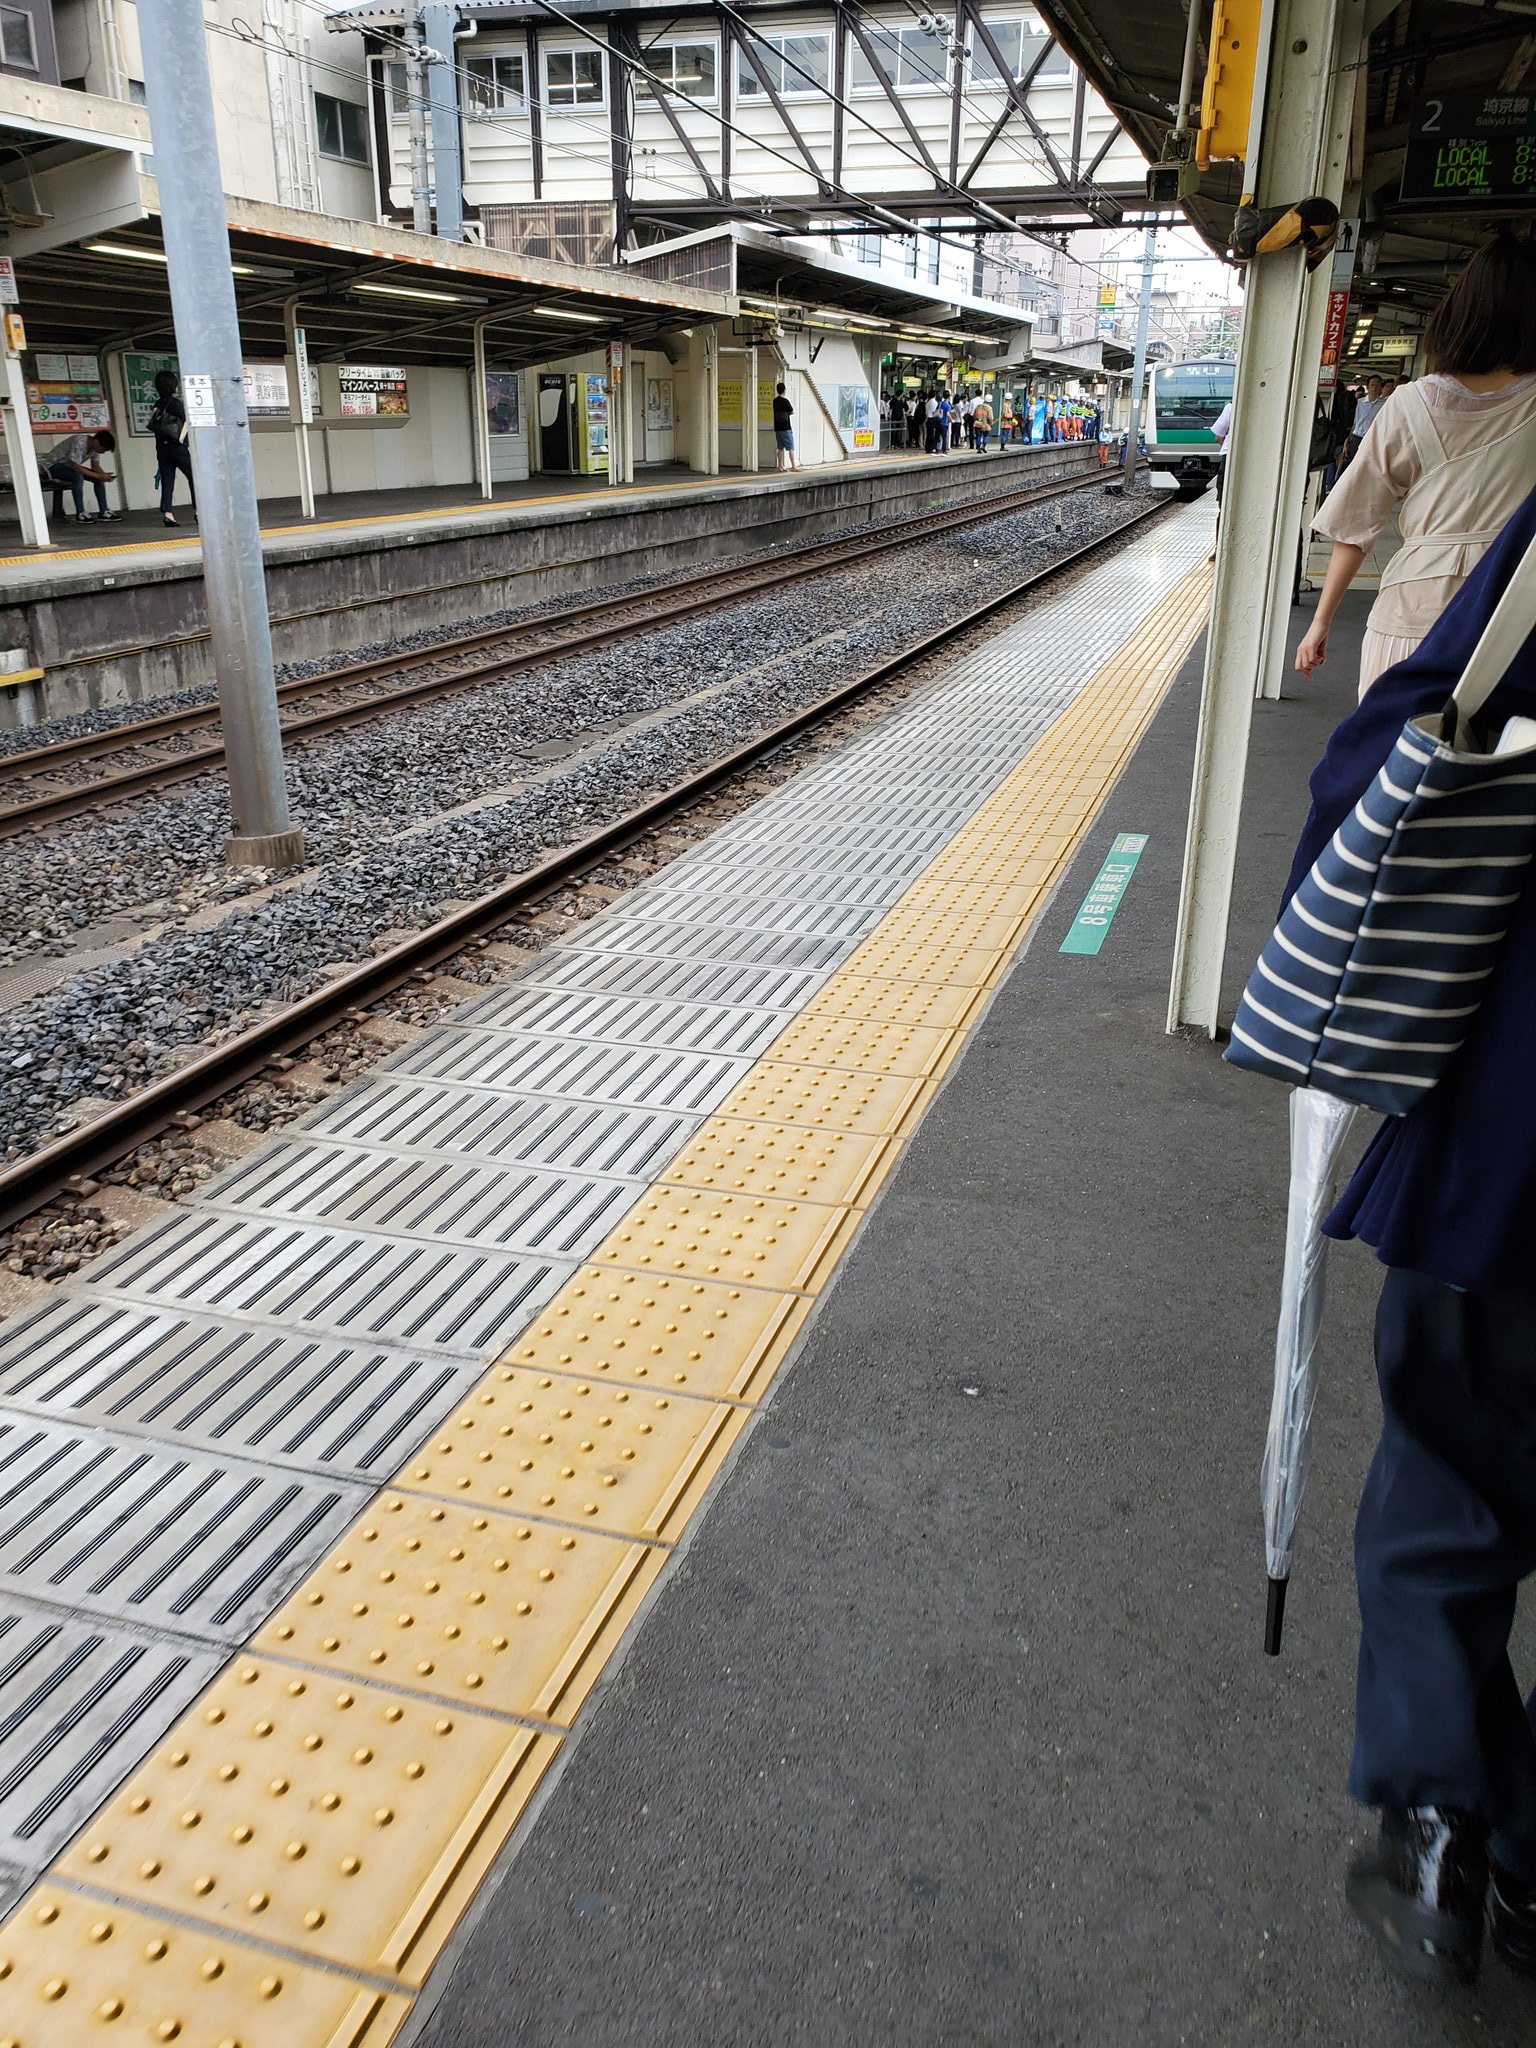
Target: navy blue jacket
<point>1450,1189</point>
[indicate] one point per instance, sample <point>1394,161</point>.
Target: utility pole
<point>416,97</point>
<point>1139,368</point>
<point>180,94</point>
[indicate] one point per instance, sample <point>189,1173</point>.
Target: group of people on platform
<point>937,420</point>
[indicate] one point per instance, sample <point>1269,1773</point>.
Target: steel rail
<point>72,1158</point>
<point>637,612</point>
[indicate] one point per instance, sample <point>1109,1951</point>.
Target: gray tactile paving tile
<point>426,1119</point>
<point>80,1703</point>
<point>449,1201</point>
<point>148,1534</point>
<point>642,1077</point>
<point>366,1289</point>
<point>303,1402</point>
<point>625,1020</point>
<point>741,983</point>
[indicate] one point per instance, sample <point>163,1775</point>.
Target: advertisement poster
<point>66,391</point>
<point>139,373</point>
<point>594,421</point>
<point>764,403</point>
<point>1340,281</point>
<point>658,405</point>
<point>369,392</point>
<point>851,409</point>
<point>731,400</point>
<point>503,401</point>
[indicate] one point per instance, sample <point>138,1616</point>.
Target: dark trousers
<point>63,476</point>
<point>174,456</point>
<point>1446,1532</point>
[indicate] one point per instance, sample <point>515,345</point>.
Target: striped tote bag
<point>1373,975</point>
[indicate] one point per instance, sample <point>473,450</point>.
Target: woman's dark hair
<point>1487,320</point>
<point>166,382</point>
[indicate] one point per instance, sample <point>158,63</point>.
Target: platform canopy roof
<point>1131,52</point>
<point>363,292</point>
<point>805,279</point>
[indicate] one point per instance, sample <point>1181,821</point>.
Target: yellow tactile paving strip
<point>284,1869</point>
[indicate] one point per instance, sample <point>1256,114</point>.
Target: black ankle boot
<point>1421,1890</point>
<point>1512,1920</point>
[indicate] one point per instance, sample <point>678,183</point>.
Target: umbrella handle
<point>1274,1616</point>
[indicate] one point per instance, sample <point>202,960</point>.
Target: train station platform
<point>727,1472</point>
<point>116,612</point>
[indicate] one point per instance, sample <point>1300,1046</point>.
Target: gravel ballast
<point>384,857</point>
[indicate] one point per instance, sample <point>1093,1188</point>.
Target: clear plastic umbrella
<point>1319,1124</point>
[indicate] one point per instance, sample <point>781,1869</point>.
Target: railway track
<point>48,784</point>
<point>68,1161</point>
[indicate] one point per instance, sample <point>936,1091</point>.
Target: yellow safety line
<point>601,492</point>
<point>288,1863</point>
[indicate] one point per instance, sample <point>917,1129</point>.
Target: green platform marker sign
<point>1103,899</point>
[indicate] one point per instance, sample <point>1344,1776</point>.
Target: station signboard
<point>1477,146</point>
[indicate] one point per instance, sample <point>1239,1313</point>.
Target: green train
<point>1183,403</point>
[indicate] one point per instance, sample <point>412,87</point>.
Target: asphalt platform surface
<point>953,1728</point>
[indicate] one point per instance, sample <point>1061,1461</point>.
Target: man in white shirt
<point>1377,391</point>
<point>68,464</point>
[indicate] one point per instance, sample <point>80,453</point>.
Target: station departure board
<point>1471,146</point>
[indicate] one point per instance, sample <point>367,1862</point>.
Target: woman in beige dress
<point>1452,455</point>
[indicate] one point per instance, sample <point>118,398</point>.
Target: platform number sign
<point>1091,925</point>
<point>1471,145</point>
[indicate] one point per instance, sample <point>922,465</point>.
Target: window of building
<point>909,253</point>
<point>396,82</point>
<point>869,249</point>
<point>496,85</point>
<point>342,128</point>
<point>18,45</point>
<point>794,64</point>
<point>137,92</point>
<point>911,58</point>
<point>689,68</point>
<point>1021,44</point>
<point>573,78</point>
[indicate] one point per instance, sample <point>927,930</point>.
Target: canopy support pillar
<point>1307,115</point>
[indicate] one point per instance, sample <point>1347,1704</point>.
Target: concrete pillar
<point>1307,117</point>
<point>175,48</point>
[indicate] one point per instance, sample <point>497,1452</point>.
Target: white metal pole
<point>21,452</point>
<point>749,414</point>
<point>1139,367</point>
<point>299,406</point>
<point>202,285</point>
<point>479,409</point>
<point>1308,94</point>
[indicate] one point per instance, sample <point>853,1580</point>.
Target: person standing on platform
<point>914,421</point>
<point>1444,1744</point>
<point>945,416</point>
<point>1451,455</point>
<point>931,424</point>
<point>168,424</point>
<point>981,426</point>
<point>784,429</point>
